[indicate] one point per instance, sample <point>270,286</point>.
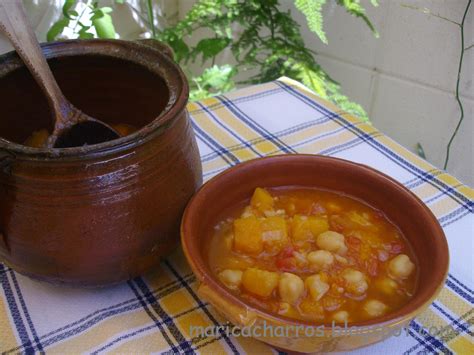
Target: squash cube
<point>318,225</point>
<point>275,233</point>
<point>248,235</point>
<point>312,310</point>
<point>300,228</point>
<point>305,228</point>
<point>261,200</point>
<point>260,282</point>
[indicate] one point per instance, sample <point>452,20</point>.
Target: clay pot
<point>401,206</point>
<point>97,214</point>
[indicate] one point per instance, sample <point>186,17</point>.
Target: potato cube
<point>260,282</point>
<point>248,235</point>
<point>274,233</point>
<point>316,287</point>
<point>261,200</point>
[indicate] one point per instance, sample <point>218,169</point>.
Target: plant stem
<point>78,18</point>
<point>151,17</point>
<point>139,14</point>
<point>272,25</point>
<point>458,99</point>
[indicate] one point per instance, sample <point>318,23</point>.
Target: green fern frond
<point>312,9</point>
<point>355,9</point>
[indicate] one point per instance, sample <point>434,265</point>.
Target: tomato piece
<point>286,252</point>
<point>372,266</point>
<point>317,209</point>
<point>395,248</point>
<point>353,242</point>
<point>331,304</point>
<point>286,264</point>
<point>337,224</point>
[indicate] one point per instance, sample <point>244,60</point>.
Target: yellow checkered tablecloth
<point>153,313</point>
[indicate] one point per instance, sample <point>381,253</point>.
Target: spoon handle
<point>14,24</point>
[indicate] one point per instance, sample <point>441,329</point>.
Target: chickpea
<point>356,282</point>
<point>288,310</point>
<point>284,308</point>
<point>375,308</point>
<point>401,266</point>
<point>341,316</point>
<point>332,241</point>
<point>317,288</point>
<point>231,278</point>
<point>387,286</point>
<point>321,259</point>
<point>341,259</point>
<point>290,287</point>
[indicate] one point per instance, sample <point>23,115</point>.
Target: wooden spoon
<point>72,128</point>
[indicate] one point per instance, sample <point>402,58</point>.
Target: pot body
<point>98,215</point>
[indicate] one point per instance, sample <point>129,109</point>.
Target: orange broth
<point>314,255</point>
<point>38,139</point>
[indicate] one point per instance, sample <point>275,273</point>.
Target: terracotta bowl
<point>103,213</point>
<point>402,207</point>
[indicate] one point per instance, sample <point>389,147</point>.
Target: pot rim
<point>164,67</point>
<point>200,267</point>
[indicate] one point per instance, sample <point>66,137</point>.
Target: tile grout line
<point>395,77</point>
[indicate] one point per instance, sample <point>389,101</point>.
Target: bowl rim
<point>164,67</point>
<point>199,269</point>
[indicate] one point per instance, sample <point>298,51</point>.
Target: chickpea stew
<point>313,255</point>
<point>38,139</point>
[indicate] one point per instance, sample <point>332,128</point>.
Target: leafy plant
<point>268,43</point>
<point>80,24</point>
<point>216,78</point>
<point>312,9</point>
<point>264,41</point>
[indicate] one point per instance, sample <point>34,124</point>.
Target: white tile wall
<point>426,115</point>
<point>406,78</point>
<point>356,81</point>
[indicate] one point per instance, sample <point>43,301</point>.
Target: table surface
<point>153,313</point>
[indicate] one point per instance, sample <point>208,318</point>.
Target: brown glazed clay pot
<point>97,214</point>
